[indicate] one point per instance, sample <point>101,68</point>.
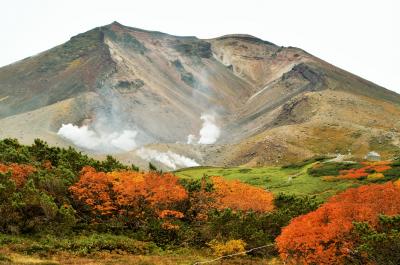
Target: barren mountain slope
<point>323,122</point>
<point>272,104</point>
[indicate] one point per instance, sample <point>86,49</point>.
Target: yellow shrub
<point>227,248</point>
<point>397,183</point>
<point>375,176</point>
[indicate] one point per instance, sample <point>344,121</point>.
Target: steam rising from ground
<point>115,142</point>
<point>209,132</point>
<point>191,139</point>
<point>100,141</point>
<point>170,159</point>
<point>113,130</point>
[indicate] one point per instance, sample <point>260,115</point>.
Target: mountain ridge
<point>120,78</point>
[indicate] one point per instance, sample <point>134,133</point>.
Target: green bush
<point>152,167</point>
<point>331,168</point>
<point>106,242</point>
<point>83,244</point>
<point>10,201</point>
<point>166,238</point>
<point>193,185</point>
<point>68,159</point>
<point>380,245</point>
<point>12,151</point>
<point>393,173</point>
<point>257,229</point>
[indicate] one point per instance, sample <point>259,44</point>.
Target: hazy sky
<point>362,36</point>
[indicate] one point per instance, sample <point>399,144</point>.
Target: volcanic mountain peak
<point>267,103</point>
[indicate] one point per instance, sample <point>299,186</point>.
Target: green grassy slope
<point>275,179</point>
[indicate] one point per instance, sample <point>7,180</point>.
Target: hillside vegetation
<point>278,180</point>
<point>58,204</point>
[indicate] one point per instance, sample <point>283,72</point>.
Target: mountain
<point>262,103</point>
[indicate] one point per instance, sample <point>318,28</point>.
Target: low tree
<point>19,172</point>
<point>130,196</point>
<point>241,196</point>
<point>324,236</point>
<point>378,245</point>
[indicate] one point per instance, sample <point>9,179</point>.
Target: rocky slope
<point>271,104</point>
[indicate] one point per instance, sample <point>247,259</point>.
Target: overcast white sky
<point>362,36</point>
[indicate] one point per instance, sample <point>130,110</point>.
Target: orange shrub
<point>353,173</point>
<point>240,196</point>
<point>127,192</point>
<point>381,168</point>
<point>323,236</point>
<point>370,167</point>
<point>95,189</point>
<point>163,188</point>
<point>19,172</point>
<point>171,213</point>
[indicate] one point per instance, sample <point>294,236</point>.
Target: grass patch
<point>306,162</point>
<point>289,180</point>
<point>81,245</point>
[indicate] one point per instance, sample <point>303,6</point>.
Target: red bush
<point>323,236</point>
<point>240,196</point>
<point>127,193</point>
<point>19,172</point>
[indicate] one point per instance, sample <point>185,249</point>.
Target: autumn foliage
<point>240,196</point>
<point>324,236</point>
<point>353,171</point>
<point>230,247</point>
<point>367,169</point>
<point>134,194</point>
<point>129,193</point>
<point>19,172</point>
<point>60,191</point>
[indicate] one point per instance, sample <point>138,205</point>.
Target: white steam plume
<point>209,133</point>
<point>191,139</point>
<point>170,159</point>
<point>102,141</point>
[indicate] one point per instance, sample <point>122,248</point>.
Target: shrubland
<point>59,200</point>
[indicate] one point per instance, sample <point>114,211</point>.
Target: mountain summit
<point>232,100</point>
